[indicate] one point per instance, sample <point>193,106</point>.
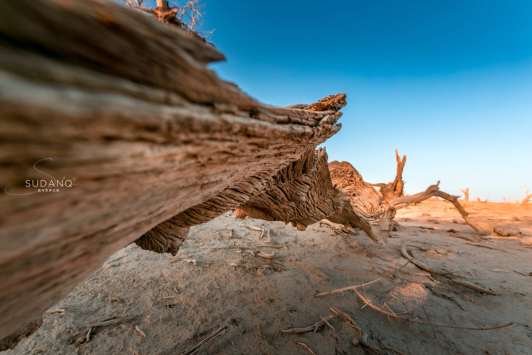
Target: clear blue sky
<point>449,83</point>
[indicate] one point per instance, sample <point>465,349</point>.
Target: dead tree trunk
<point>394,189</point>
<point>131,116</point>
<point>466,194</point>
<point>528,196</point>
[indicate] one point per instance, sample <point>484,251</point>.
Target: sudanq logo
<point>47,184</point>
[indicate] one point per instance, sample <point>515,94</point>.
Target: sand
<point>164,305</point>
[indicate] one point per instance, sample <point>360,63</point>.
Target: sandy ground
<point>164,305</point>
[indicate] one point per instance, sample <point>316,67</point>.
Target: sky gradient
<point>447,83</point>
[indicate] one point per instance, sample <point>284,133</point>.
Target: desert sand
<point>148,303</point>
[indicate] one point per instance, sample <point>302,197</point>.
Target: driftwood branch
<point>443,273</point>
<point>431,191</point>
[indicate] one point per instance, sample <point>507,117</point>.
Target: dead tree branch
<point>394,189</point>
<point>466,194</point>
<point>526,200</point>
<point>443,273</point>
<point>431,191</point>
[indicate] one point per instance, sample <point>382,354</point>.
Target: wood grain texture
<point>303,194</point>
<point>127,107</point>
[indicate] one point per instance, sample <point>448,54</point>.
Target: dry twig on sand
<point>394,315</point>
<point>395,351</point>
<point>312,328</point>
<point>110,322</point>
<point>306,347</point>
<point>347,318</point>
<point>485,246</point>
<point>357,286</point>
<point>272,247</point>
<point>363,341</point>
<point>471,239</point>
<point>88,336</point>
<point>329,324</point>
<point>222,264</point>
<point>522,273</point>
<point>93,326</point>
<point>248,251</point>
<point>191,261</point>
<point>253,228</point>
<point>194,348</point>
<point>266,256</point>
<point>443,273</point>
<point>442,295</point>
<point>428,320</point>
<point>141,333</point>
<point>261,229</point>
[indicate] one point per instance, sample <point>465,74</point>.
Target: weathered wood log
<point>131,116</point>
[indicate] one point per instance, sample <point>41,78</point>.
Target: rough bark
<point>367,203</point>
<point>127,107</point>
<point>163,238</point>
<point>303,194</point>
<point>23,331</point>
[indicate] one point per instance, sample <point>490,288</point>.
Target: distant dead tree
<point>466,194</point>
<point>526,200</point>
<point>394,189</point>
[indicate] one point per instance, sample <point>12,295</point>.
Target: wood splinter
<point>347,318</point>
<point>312,328</point>
<point>139,331</point>
<point>194,348</point>
<point>306,347</point>
<point>266,256</point>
